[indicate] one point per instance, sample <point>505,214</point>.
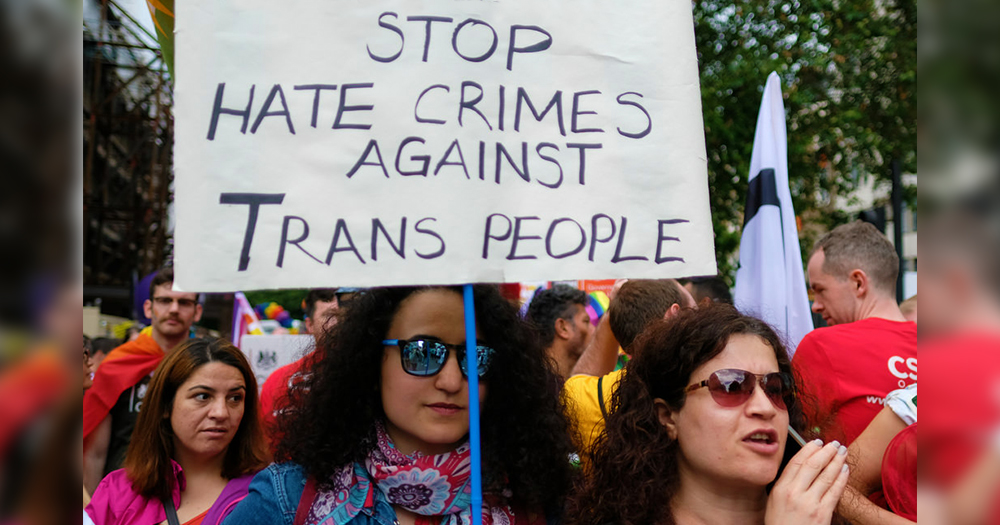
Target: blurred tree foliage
<point>848,74</point>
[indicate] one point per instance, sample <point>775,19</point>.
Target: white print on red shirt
<point>896,368</point>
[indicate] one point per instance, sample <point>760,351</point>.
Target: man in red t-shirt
<point>321,307</point>
<point>845,371</point>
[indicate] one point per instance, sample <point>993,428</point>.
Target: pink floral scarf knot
<point>437,488</point>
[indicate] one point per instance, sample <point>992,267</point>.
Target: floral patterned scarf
<point>437,488</point>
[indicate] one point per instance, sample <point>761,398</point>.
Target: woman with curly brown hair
<point>379,432</point>
<point>698,433</point>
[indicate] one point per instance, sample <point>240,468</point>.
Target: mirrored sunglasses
<point>426,357</point>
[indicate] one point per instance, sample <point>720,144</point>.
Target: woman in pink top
<point>196,445</point>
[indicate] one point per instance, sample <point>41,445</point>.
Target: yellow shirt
<point>584,408</point>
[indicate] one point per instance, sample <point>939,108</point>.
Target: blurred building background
<point>127,142</point>
<point>128,135</point>
<point>872,203</point>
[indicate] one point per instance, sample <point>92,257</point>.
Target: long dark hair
<point>525,436</point>
<point>633,470</point>
<point>147,462</point>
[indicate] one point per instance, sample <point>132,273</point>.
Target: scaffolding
<point>127,154</point>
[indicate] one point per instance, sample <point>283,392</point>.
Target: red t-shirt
<point>845,371</point>
<point>960,414</point>
<point>274,393</point>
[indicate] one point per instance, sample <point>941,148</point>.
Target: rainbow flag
<point>597,304</point>
<point>121,369</point>
<point>162,12</point>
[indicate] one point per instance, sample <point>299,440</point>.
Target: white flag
<point>770,283</point>
<point>245,319</point>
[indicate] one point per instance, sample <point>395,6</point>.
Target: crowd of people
<point>672,408</point>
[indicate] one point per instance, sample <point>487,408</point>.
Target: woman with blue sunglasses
<point>699,430</point>
<point>379,432</point>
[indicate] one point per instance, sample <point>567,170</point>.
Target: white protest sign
<point>323,143</point>
<point>267,353</point>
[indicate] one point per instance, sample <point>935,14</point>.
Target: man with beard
<point>560,318</point>
<point>112,404</point>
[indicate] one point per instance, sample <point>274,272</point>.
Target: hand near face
<point>810,487</point>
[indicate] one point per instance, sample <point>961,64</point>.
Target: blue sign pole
<point>472,365</point>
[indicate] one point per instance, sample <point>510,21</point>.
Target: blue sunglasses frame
<point>423,357</point>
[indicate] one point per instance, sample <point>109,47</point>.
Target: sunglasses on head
<point>731,387</point>
<point>426,357</point>
<point>346,295</point>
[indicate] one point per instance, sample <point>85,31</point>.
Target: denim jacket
<point>274,497</point>
<point>275,493</point>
